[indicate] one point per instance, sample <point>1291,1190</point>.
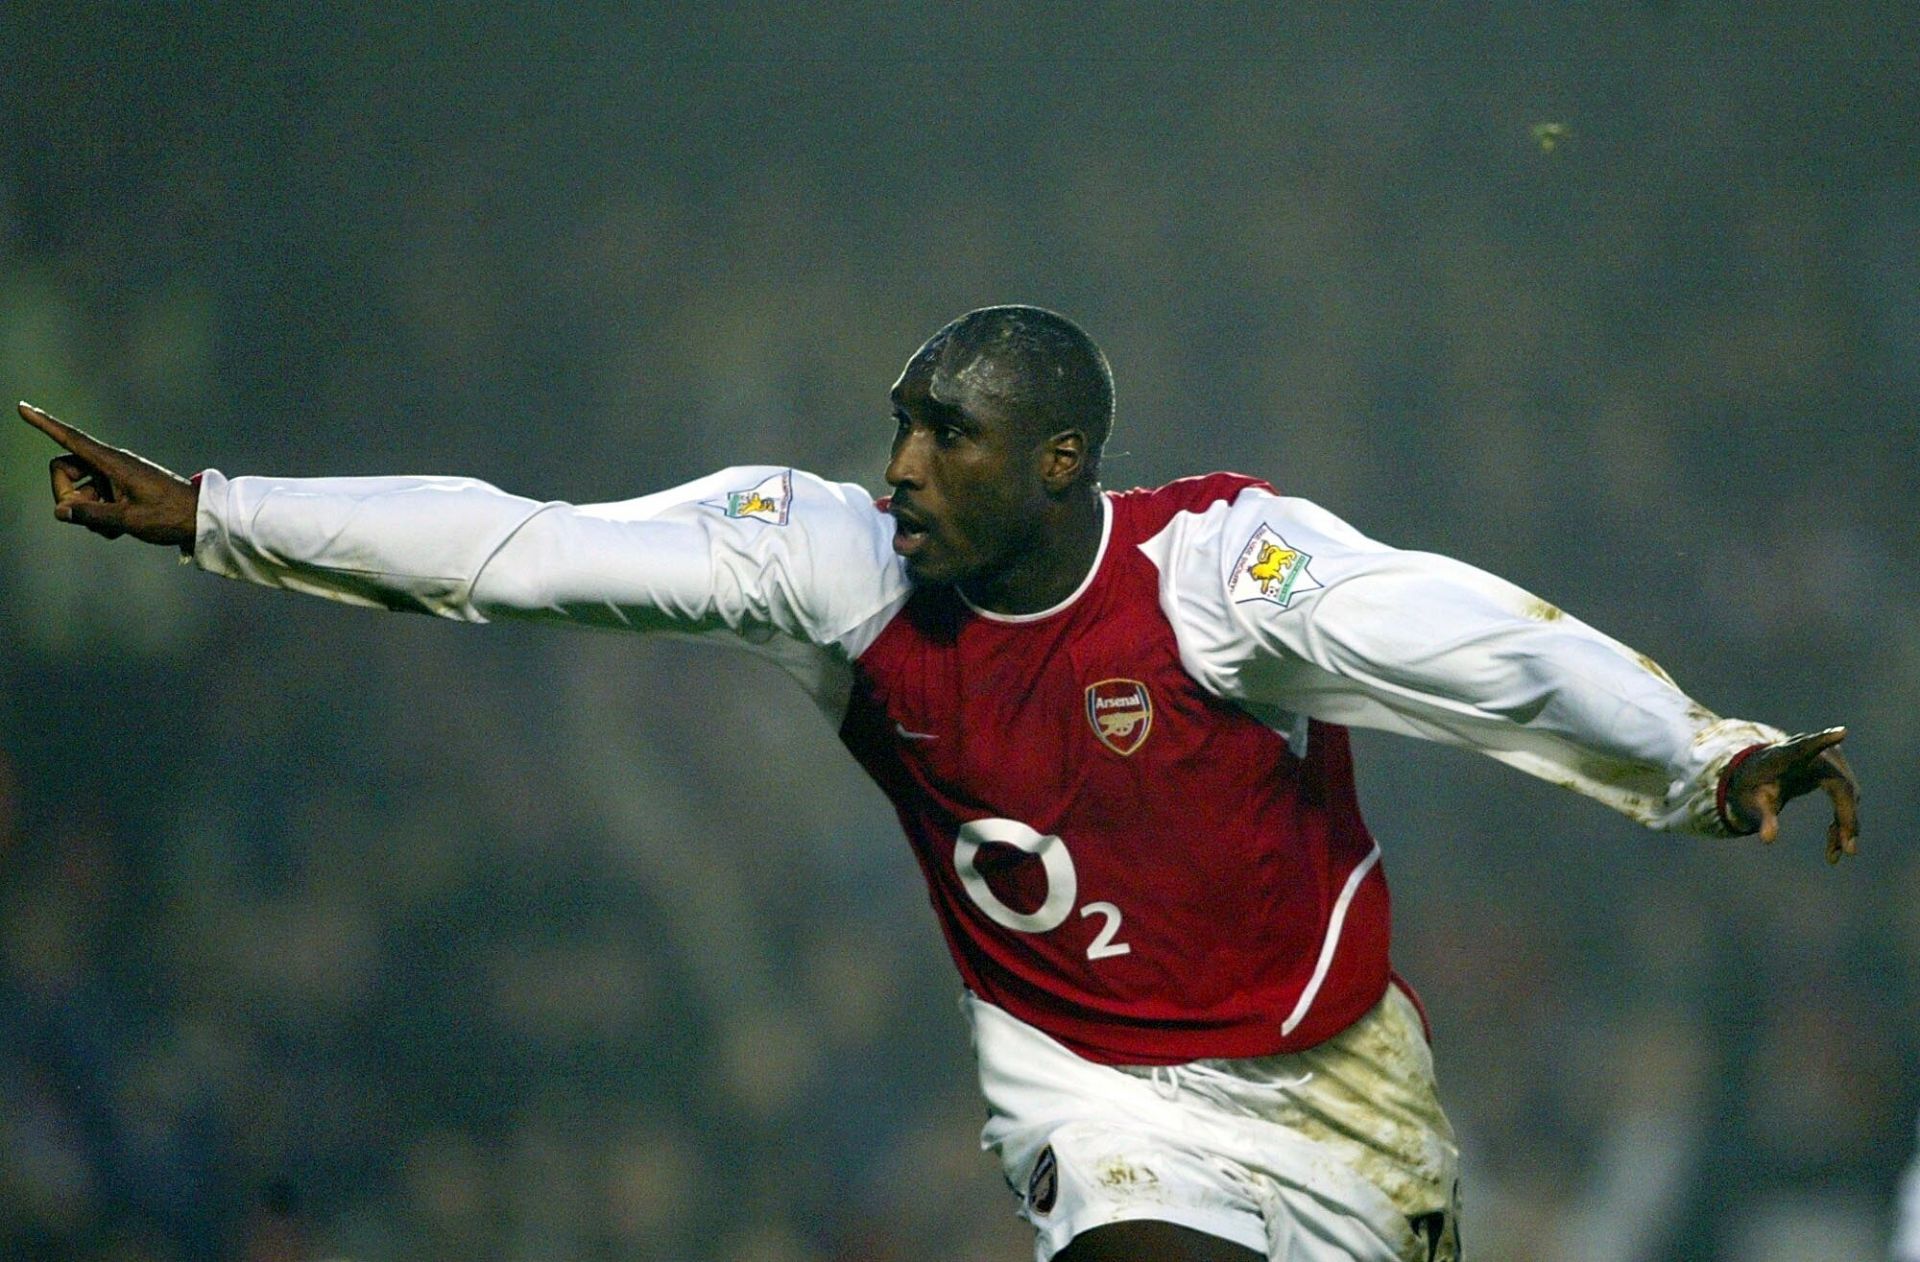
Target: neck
<point>1064,547</point>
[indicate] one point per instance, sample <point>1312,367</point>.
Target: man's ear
<point>1063,460</point>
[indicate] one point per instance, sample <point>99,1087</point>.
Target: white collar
<point>1106,533</point>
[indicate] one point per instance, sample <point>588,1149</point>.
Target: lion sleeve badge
<point>1269,569</point>
<point>768,501</point>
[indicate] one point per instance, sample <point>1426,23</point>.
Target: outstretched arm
<point>1293,609</point>
<point>398,543</point>
<point>791,566</point>
<point>114,492</point>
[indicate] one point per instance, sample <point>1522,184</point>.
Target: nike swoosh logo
<point>914,736</point>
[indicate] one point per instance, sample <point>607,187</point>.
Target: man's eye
<point>948,434</point>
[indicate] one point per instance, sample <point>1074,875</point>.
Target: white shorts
<point>1336,1154</point>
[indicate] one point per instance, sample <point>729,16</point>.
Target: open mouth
<point>907,540</point>
<point>909,533</point>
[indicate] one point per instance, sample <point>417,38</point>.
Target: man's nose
<point>906,468</point>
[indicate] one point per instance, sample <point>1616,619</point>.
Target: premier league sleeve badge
<point>1269,569</point>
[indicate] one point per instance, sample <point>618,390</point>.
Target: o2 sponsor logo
<point>1063,884</point>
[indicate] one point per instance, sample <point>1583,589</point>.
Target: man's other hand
<point>1769,778</point>
<point>114,492</point>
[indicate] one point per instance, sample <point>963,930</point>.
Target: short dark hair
<point>1038,361</point>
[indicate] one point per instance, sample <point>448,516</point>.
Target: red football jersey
<point>1116,855</point>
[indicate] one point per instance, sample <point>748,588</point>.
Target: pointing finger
<point>79,442</point>
<point>1814,743</point>
<point>1797,751</point>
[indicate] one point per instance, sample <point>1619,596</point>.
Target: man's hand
<point>1769,778</point>
<point>113,492</point>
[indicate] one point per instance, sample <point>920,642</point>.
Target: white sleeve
<point>1281,606</point>
<point>795,567</point>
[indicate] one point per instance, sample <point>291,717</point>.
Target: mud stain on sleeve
<point>1655,669</point>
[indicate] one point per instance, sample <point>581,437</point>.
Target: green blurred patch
<point>40,362</point>
<point>169,347</point>
<point>65,589</point>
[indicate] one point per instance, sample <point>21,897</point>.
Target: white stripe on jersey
<point>1334,925</point>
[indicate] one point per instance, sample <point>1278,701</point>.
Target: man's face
<point>968,499</point>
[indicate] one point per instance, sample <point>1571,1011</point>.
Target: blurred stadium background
<point>332,935</point>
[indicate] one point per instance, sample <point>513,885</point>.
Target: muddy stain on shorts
<point>1122,1175</point>
<point>1368,1095</point>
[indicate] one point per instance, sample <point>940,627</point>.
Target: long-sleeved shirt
<point>1135,810</point>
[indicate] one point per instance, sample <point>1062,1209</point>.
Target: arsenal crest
<point>1121,713</point>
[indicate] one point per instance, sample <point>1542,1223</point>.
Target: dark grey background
<point>325,934</point>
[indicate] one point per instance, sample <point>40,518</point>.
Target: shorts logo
<point>1268,569</point>
<point>1043,1188</point>
<point>1121,713</point>
<point>767,502</point>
